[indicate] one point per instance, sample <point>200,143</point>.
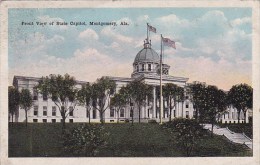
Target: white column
<point>154,102</point>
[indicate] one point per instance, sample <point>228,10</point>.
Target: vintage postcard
<point>143,82</point>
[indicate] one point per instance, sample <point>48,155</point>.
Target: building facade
<point>145,69</point>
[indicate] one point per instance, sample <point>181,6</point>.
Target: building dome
<point>146,61</point>
<point>147,54</point>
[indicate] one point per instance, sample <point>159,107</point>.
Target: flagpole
<point>147,32</point>
<point>161,101</point>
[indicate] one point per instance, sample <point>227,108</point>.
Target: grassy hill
<point>125,140</point>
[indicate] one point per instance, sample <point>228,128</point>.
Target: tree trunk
<point>238,115</point>
<point>26,117</point>
<point>244,116</point>
<point>101,117</point>
<point>170,118</point>
<point>139,109</point>
<point>132,116</point>
<point>182,109</point>
<point>63,115</point>
<point>89,116</point>
<point>212,126</point>
<point>118,116</point>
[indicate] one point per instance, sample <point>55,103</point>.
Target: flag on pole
<point>150,28</point>
<point>169,42</point>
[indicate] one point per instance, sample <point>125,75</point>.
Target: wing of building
<point>145,68</point>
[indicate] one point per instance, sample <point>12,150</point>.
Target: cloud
<point>109,32</point>
<point>85,64</point>
<point>88,34</point>
<point>115,46</point>
<point>241,21</point>
<point>210,48</point>
<point>222,73</point>
<point>174,20</point>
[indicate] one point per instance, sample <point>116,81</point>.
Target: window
<point>112,121</point>
<point>142,67</point>
<point>187,114</point>
<point>44,110</point>
<point>187,105</point>
<point>53,111</point>
<point>122,112</point>
<point>137,68</point>
<point>149,67</point>
<point>148,111</point>
<point>71,120</point>
<point>112,112</point>
<point>44,120</point>
<point>35,120</point>
<point>174,113</point>
<point>44,96</point>
<point>35,110</point>
<point>71,111</point>
<point>54,120</point>
<point>187,97</point>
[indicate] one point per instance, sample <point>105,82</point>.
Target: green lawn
<point>140,140</point>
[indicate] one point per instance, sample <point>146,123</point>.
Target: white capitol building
<point>145,68</point>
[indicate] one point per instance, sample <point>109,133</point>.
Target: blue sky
<point>214,45</point>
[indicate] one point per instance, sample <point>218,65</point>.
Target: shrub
<point>188,132</point>
<point>85,140</point>
<point>152,121</point>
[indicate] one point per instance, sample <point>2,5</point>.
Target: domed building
<point>145,68</point>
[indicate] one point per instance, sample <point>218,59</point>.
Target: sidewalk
<point>232,136</point>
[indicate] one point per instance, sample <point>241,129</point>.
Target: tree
<point>84,97</point>
<point>13,101</point>
<point>188,132</point>
<point>196,91</point>
<point>139,92</point>
<point>173,95</point>
<point>241,98</point>
<point>85,140</point>
<point>62,91</point>
<point>118,102</point>
<point>103,89</point>
<point>215,103</point>
<point>26,102</point>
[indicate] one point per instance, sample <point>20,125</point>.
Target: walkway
<point>232,136</point>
